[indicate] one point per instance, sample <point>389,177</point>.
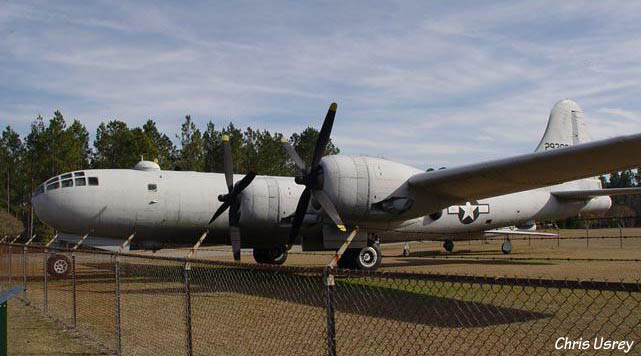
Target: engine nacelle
<point>597,205</point>
<point>360,186</point>
<point>267,200</point>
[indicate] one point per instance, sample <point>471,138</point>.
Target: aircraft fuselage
<point>173,206</point>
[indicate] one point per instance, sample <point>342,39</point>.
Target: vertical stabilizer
<point>565,127</point>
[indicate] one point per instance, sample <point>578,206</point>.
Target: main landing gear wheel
<point>367,259</point>
<point>58,266</point>
<point>506,247</point>
<point>448,245</point>
<point>276,255</point>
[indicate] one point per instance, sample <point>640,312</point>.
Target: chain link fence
<point>135,305</point>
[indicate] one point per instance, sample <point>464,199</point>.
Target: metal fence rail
<point>135,305</point>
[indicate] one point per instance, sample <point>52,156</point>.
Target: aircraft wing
<point>588,194</point>
<point>442,188</point>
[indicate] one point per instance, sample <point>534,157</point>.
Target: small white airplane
<point>388,201</point>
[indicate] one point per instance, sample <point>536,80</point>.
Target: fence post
<point>620,236</point>
<point>46,291</point>
<point>189,340</point>
<point>74,291</point>
<point>10,276</point>
<point>117,306</point>
<point>329,303</point>
<point>24,274</point>
<point>587,235</point>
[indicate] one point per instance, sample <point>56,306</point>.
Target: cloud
<point>415,82</point>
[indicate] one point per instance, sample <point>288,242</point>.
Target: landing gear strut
<point>274,256</point>
<point>506,247</point>
<point>448,245</point>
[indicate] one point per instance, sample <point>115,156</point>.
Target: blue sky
<point>438,84</point>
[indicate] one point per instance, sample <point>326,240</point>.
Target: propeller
<point>231,200</point>
<point>312,178</point>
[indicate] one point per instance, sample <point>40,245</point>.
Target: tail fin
<point>565,127</point>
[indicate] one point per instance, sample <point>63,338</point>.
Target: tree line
<point>53,147</point>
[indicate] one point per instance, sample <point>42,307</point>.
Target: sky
<point>429,84</point>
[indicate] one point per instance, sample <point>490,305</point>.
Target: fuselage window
<point>54,185</point>
<point>80,182</point>
<point>79,174</point>
<point>152,187</point>
<point>67,183</point>
<point>93,180</point>
<point>65,176</point>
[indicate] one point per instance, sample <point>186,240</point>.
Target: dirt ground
<point>30,334</point>
<point>239,311</point>
<point>572,256</point>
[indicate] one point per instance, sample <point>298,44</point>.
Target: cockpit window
<point>67,183</point>
<point>79,174</point>
<point>65,176</point>
<point>93,180</point>
<point>39,190</point>
<point>80,182</point>
<point>54,185</point>
<point>52,180</point>
<point>152,187</point>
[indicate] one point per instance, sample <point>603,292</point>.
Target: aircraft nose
<point>45,206</point>
<point>39,208</point>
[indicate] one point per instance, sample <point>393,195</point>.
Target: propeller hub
<point>313,179</point>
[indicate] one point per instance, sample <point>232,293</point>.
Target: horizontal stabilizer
<point>588,194</point>
<point>495,232</point>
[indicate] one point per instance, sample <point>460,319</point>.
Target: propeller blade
<point>329,208</point>
<point>228,163</point>
<point>220,210</point>
<point>234,233</point>
<point>323,136</point>
<point>243,183</point>
<point>301,209</point>
<point>293,155</point>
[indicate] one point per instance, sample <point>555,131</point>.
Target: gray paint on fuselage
<point>177,211</point>
<point>180,208</point>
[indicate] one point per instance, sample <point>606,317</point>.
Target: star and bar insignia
<point>469,212</point>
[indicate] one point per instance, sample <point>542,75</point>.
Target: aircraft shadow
<point>355,296</point>
<point>454,260</point>
<point>461,252</point>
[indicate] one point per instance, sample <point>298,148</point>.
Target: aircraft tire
<point>448,245</point>
<point>273,256</point>
<point>506,247</point>
<point>368,258</point>
<point>58,266</point>
<point>347,259</point>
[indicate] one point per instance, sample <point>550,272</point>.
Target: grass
<point>238,311</point>
<point>30,333</point>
